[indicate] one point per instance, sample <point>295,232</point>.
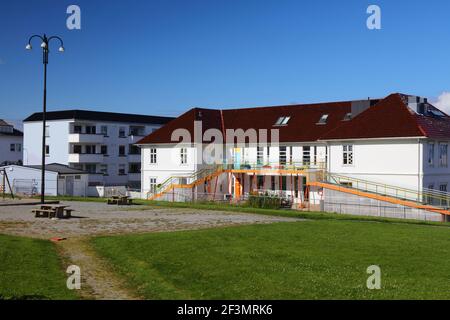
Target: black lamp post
<point>45,50</point>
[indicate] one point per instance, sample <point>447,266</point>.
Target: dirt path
<point>98,280</point>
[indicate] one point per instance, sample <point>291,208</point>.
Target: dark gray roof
<point>15,132</point>
<point>57,167</point>
<point>99,116</point>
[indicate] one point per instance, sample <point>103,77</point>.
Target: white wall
<point>167,165</point>
<point>393,162</point>
<point>60,148</point>
<point>5,148</point>
<point>23,180</point>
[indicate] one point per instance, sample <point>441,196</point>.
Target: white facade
<point>27,180</point>
<point>102,148</point>
<point>405,163</point>
<point>11,143</point>
<point>168,164</point>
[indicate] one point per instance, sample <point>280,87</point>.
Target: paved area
<point>94,218</point>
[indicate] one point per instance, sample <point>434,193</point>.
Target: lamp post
<point>45,50</point>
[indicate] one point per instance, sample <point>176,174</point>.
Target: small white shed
<point>59,180</point>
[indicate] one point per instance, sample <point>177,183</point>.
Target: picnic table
<point>49,211</point>
<point>120,200</point>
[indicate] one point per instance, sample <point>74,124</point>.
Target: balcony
<point>132,157</point>
<point>85,157</point>
<point>134,176</point>
<point>85,138</point>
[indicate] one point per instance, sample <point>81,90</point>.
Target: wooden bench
<point>68,213</point>
<point>42,213</point>
<point>124,200</point>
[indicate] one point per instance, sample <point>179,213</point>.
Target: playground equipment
<point>5,181</point>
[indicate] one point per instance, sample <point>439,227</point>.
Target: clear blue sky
<point>164,57</point>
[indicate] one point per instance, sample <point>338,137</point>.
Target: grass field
<point>302,260</point>
<point>31,269</point>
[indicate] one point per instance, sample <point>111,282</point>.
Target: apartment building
<point>11,141</point>
<point>400,141</point>
<point>100,143</point>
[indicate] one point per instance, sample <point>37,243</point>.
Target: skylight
<point>347,117</point>
<point>323,119</point>
<point>436,113</point>
<point>282,121</point>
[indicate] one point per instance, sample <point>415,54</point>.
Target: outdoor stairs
<point>425,200</point>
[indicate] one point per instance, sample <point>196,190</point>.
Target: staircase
<point>189,181</point>
<point>429,200</point>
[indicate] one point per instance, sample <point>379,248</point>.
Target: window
<point>12,147</point>
<point>284,183</point>
<point>260,182</point>
<point>282,121</point>
<point>323,119</point>
<point>431,154</point>
<point>315,155</point>
<point>47,150</point>
<point>47,131</point>
<point>134,167</point>
<point>443,189</point>
<point>122,132</point>
<point>76,129</point>
<point>91,168</point>
<point>347,117</point>
<point>137,131</point>
<point>183,155</point>
<point>104,169</point>
<point>152,185</point>
<point>153,155</point>
<point>272,183</point>
<point>268,154</point>
<point>104,130</point>
<point>121,169</point>
<point>90,149</point>
<point>430,197</point>
<point>282,155</point>
<point>77,149</point>
<point>347,155</point>
<point>121,151</point>
<point>19,147</point>
<point>259,155</point>
<point>291,153</point>
<point>443,155</point>
<point>306,155</point>
<point>132,149</point>
<point>91,130</point>
<point>104,150</point>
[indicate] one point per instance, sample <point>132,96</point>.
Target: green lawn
<point>321,259</point>
<point>31,269</point>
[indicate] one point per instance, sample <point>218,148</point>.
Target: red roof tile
<point>388,118</point>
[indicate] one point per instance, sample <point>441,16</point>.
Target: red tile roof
<point>388,118</point>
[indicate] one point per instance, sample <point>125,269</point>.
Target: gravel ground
<point>93,218</point>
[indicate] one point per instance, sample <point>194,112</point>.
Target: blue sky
<point>164,57</point>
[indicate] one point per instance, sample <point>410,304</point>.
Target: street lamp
<point>45,50</point>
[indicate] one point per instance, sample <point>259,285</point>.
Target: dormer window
<point>347,117</point>
<point>282,121</point>
<point>323,119</point>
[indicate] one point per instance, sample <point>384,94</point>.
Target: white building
<point>59,180</point>
<point>11,141</point>
<point>100,143</point>
<point>399,142</point>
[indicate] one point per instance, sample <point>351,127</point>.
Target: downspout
<point>418,169</point>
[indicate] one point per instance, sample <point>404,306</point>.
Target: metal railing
<point>315,167</point>
<point>425,196</point>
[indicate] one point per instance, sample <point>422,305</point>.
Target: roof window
<point>282,121</point>
<point>347,117</point>
<point>323,119</point>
